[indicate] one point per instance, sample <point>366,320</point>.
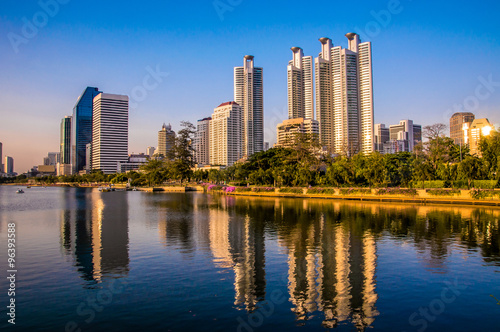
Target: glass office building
<point>81,128</point>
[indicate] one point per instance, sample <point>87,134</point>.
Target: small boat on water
<point>28,187</point>
<point>20,191</point>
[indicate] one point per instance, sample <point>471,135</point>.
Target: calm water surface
<point>132,261</point>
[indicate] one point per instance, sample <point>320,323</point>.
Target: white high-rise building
<point>225,134</point>
<point>344,96</point>
<point>300,86</point>
<point>249,94</point>
<point>150,151</point>
<point>202,140</point>
<point>109,132</point>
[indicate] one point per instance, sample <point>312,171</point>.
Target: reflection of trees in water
<point>331,245</point>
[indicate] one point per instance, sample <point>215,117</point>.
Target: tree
<point>434,131</point>
<point>470,169</point>
<point>490,151</point>
<point>183,152</point>
<point>153,170</point>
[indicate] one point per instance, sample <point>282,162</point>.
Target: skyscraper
<point>81,128</point>
<point>300,86</point>
<point>9,165</point>
<point>1,154</point>
<point>202,148</point>
<point>249,94</point>
<point>65,143</point>
<point>225,134</point>
<point>166,140</point>
<point>344,96</point>
<point>109,132</point>
<point>457,122</point>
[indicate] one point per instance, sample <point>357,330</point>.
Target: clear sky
<point>428,56</point>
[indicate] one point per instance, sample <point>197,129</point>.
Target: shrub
<point>291,190</point>
<point>213,187</point>
<point>398,191</point>
<point>229,189</point>
<point>484,184</point>
<point>482,194</point>
<point>243,189</point>
<point>263,189</point>
<point>355,191</point>
<point>321,191</point>
<point>443,192</point>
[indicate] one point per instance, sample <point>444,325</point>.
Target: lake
<point>135,261</point>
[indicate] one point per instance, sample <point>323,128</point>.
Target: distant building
<point>382,135</point>
<point>8,165</point>
<point>288,130</point>
<point>53,158</point>
<point>81,128</point>
<point>479,128</point>
<point>46,170</point>
<point>266,146</point>
<point>249,94</point>
<point>166,140</point>
<point>109,132</point>
<point>300,86</point>
<point>46,161</point>
<point>402,137</point>
<point>226,134</point>
<point>88,150</point>
<point>458,122</point>
<point>202,142</point>
<point>150,151</point>
<point>1,155</point>
<point>134,163</point>
<point>65,140</point>
<point>63,169</point>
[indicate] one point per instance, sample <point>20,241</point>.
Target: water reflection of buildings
<point>94,229</point>
<point>331,270</point>
<point>237,242</point>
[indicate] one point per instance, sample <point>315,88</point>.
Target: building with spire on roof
<point>166,140</point>
<point>249,94</point>
<point>344,96</point>
<point>300,86</point>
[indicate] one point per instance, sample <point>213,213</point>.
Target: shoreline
<point>422,196</point>
<point>380,199</point>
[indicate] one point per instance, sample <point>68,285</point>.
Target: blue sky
<point>428,57</point>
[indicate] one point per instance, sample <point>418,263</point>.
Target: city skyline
<point>414,75</point>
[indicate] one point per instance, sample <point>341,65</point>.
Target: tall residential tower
<point>300,86</point>
<point>249,94</point>
<point>344,96</point>
<point>166,140</point>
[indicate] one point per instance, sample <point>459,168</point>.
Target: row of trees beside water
<point>437,162</point>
